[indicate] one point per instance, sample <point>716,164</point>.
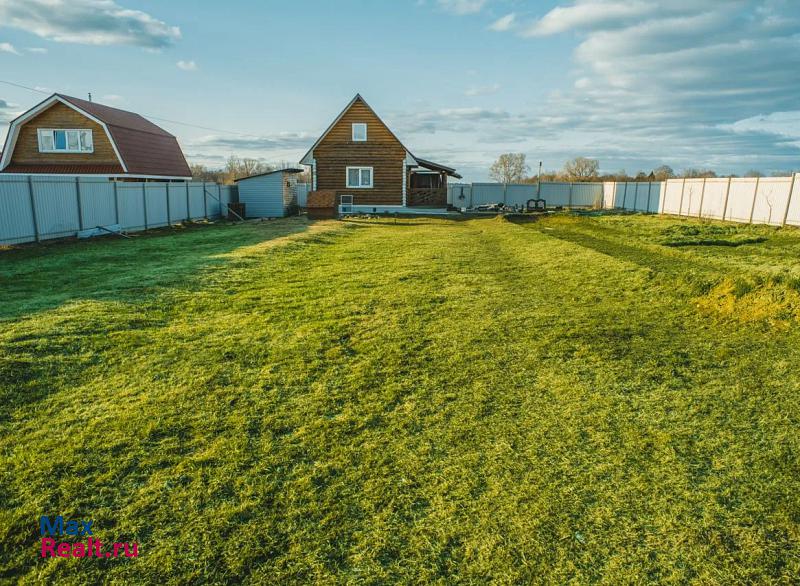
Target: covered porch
<point>427,184</point>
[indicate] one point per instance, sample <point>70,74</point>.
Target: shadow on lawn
<point>37,278</point>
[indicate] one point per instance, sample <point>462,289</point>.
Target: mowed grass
<point>610,399</point>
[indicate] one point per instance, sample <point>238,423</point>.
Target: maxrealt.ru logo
<point>78,549</point>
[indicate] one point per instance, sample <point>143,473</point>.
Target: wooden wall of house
<point>381,151</point>
<point>26,150</point>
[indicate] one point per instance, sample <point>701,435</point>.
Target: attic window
<point>59,140</point>
<point>359,132</point>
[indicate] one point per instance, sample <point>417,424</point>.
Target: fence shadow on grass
<point>42,277</point>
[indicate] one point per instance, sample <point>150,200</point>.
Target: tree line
<point>512,168</point>
<point>237,168</point>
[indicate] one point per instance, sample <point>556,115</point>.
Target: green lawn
<point>584,398</point>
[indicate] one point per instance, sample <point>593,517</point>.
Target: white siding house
<point>269,195</point>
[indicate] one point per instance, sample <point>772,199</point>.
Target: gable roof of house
<point>306,160</point>
<point>142,147</point>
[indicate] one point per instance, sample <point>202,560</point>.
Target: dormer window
<point>58,140</point>
<point>359,132</point>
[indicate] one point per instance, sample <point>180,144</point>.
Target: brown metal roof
<point>71,169</point>
<point>146,148</point>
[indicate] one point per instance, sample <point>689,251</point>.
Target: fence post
<point>755,197</point>
<point>727,195</point>
<point>505,191</point>
<point>680,205</point>
<point>569,205</point>
<point>169,219</point>
<point>188,204</point>
<point>649,189</point>
<point>144,202</point>
<point>788,201</point>
<point>78,199</point>
<point>205,202</point>
<point>33,209</point>
<point>625,196</point>
<point>116,204</point>
<point>702,196</point>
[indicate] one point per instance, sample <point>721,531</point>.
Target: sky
<point>635,84</point>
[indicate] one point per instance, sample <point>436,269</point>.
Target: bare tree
<point>581,169</point>
<point>236,168</point>
<point>663,173</point>
<point>753,173</point>
<point>699,173</point>
<point>509,168</point>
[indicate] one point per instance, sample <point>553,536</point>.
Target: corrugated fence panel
<point>304,188</point>
<point>771,200</point>
<point>714,198</point>
<point>657,190</point>
<point>740,200</point>
<point>212,200</point>
<point>16,215</point>
<point>196,196</point>
<point>692,193</point>
<point>555,194</point>
<point>520,193</point>
<point>56,206</point>
<point>156,194</point>
<point>178,202</point>
<point>459,194</point>
<point>587,195</point>
<point>131,206</point>
<point>793,216</point>
<point>672,197</point>
<point>97,203</point>
<point>609,194</point>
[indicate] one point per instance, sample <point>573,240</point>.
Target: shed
<point>269,195</point>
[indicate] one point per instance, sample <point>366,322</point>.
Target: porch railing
<point>427,196</point>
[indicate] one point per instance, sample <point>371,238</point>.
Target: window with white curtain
<point>359,177</point>
<point>62,140</point>
<point>359,132</point>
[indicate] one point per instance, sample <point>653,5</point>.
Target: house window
<point>359,177</point>
<point>58,140</point>
<point>359,132</point>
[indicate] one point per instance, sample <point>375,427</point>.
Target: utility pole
<point>539,182</point>
<point>90,96</point>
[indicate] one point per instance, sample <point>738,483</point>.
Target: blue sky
<point>635,84</point>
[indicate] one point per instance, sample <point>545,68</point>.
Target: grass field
<point>584,398</point>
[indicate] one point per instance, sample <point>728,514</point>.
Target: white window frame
<point>353,129</point>
<point>359,186</point>
<point>41,131</point>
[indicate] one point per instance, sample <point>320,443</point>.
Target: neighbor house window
<point>57,140</point>
<point>359,177</point>
<point>359,132</point>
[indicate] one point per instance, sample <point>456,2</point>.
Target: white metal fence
<point>36,208</point>
<point>764,200</point>
<point>758,200</point>
<point>555,194</point>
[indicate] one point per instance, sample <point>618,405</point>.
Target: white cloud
<point>462,6</point>
<point>591,14</point>
<point>8,48</point>
<point>88,22</point>
<point>503,23</point>
<point>484,90</point>
<point>689,82</point>
<point>187,65</point>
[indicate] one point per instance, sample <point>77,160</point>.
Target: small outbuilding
<point>269,195</point>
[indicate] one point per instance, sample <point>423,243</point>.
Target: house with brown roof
<point>359,160</point>
<point>68,136</point>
